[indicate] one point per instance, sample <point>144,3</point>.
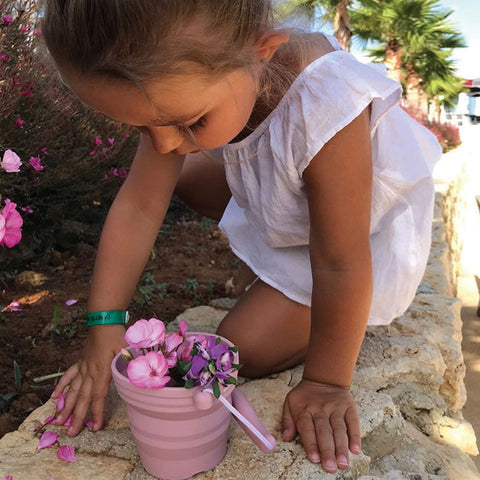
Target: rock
<point>31,278</point>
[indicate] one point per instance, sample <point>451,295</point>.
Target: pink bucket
<point>175,439</point>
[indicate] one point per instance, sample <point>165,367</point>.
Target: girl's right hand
<point>89,378</point>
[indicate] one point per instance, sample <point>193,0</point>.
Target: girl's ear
<point>269,42</point>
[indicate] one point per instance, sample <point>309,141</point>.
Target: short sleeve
<point>328,95</point>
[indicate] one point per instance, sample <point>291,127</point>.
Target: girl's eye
<point>200,123</point>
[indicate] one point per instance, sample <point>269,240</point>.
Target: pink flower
<point>37,32</point>
<point>35,164</point>
<point>148,371</point>
<point>93,153</point>
<point>15,82</point>
<point>47,440</point>
<point>8,477</point>
<point>67,453</point>
<point>3,57</point>
<point>19,122</point>
<point>89,424</point>
<point>12,306</point>
<point>43,150</point>
<point>185,349</point>
<point>28,209</point>
<point>97,141</point>
<point>49,419</point>
<point>145,333</point>
<point>27,93</point>
<point>11,162</point>
<point>125,135</point>
<point>68,421</point>
<point>182,328</point>
<point>10,231</point>
<point>110,141</point>
<point>7,19</point>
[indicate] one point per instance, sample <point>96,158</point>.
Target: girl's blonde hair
<point>138,40</point>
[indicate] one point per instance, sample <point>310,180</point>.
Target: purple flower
<point>145,333</point>
<point>3,57</point>
<point>7,19</point>
<point>71,302</point>
<point>148,371</point>
<point>198,364</point>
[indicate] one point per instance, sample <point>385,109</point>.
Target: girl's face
<point>216,111</point>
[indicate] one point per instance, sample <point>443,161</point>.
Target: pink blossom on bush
<point>11,162</point>
<point>145,333</point>
<point>10,233</point>
<point>15,82</point>
<point>110,141</point>
<point>3,58</point>
<point>19,122</point>
<point>27,93</point>
<point>7,19</point>
<point>148,371</point>
<point>35,164</point>
<point>97,141</point>
<point>67,453</point>
<point>28,209</point>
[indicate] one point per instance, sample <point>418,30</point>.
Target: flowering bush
<point>157,360</point>
<point>67,150</point>
<point>448,136</point>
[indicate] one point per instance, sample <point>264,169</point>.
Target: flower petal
<point>71,302</point>
<point>47,439</point>
<point>67,453</point>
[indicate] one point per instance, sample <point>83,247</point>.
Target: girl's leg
<point>203,186</point>
<point>271,331</point>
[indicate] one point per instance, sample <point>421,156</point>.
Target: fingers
<point>67,377</point>
<point>340,437</point>
<point>288,424</point>
<point>352,420</point>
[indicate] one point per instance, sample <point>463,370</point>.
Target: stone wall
<point>408,384</point>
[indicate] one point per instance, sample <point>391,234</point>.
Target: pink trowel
<point>245,415</point>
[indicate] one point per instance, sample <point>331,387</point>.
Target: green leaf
<point>231,380</point>
<point>212,368</point>
<point>233,349</point>
<point>216,389</point>
<point>218,340</point>
<point>17,375</point>
<point>184,366</point>
<point>237,366</point>
<point>189,383</point>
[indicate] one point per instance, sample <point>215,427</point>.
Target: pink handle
<point>243,406</point>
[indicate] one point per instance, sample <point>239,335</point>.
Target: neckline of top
<point>281,104</point>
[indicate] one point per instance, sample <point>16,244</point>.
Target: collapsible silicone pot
<point>175,438</point>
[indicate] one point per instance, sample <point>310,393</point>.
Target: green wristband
<point>107,317</point>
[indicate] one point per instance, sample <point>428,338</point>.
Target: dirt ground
<point>189,266</point>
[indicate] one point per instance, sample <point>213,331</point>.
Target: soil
<point>189,266</point>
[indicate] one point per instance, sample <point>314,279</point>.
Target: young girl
<point>322,184</point>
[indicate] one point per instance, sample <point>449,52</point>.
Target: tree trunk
<point>393,61</point>
<point>341,23</point>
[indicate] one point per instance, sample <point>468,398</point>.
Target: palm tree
<point>335,11</point>
<point>415,40</point>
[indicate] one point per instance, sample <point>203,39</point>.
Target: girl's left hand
<point>327,419</point>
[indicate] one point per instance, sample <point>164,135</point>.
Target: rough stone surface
<point>408,384</point>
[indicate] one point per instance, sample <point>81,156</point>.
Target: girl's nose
<point>165,139</point>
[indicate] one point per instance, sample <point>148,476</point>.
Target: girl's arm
<point>132,226</point>
<point>339,184</point>
<point>127,239</point>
